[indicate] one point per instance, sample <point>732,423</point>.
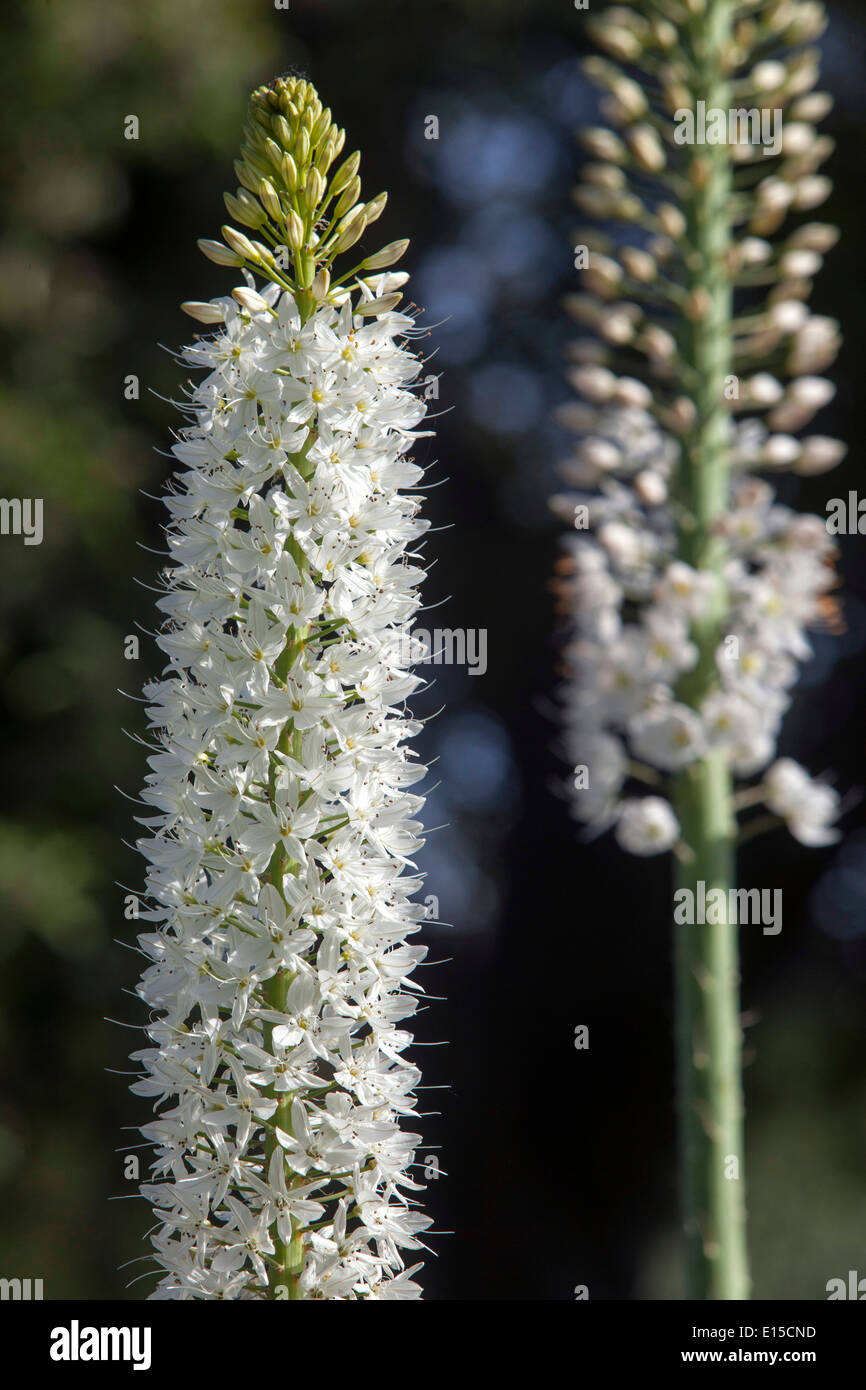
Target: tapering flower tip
<point>288,194</point>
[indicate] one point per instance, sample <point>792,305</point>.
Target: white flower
<point>730,719</point>
<point>807,806</point>
<point>600,766</point>
<point>686,589</point>
<point>669,737</point>
<point>648,826</point>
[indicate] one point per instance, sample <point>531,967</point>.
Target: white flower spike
<point>279,848</point>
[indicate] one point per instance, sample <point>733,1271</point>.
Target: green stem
<point>709,1035</point>
<point>284,1272</point>
<point>709,1047</point>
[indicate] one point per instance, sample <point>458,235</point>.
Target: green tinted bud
<point>289,171</point>
<point>273,151</point>
<point>246,176</point>
<point>375,208</point>
<point>205,313</point>
<point>255,162</point>
<point>326,151</point>
<point>270,199</point>
<point>219,254</point>
<point>283,131</point>
<point>264,254</point>
<point>301,148</point>
<point>322,283</point>
<point>348,198</point>
<point>294,230</point>
<point>245,210</point>
<point>379,306</point>
<point>250,299</point>
<point>389,255</point>
<point>346,172</point>
<point>321,128</point>
<point>315,189</point>
<point>239,243</point>
<point>350,231</point>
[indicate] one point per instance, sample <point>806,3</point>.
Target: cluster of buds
<point>679,646</point>
<point>302,215</point>
<point>281,822</point>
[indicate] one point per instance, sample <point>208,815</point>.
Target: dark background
<point>560,1164</point>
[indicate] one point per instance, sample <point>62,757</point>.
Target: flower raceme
<point>680,647</point>
<point>283,821</point>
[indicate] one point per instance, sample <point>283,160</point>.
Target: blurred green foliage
<point>82,239</point>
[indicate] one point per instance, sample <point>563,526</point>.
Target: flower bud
<point>321,127</point>
<point>819,455</point>
<point>618,41</point>
<point>603,144</point>
<point>798,265</point>
<point>768,76</point>
<point>205,313</point>
<point>383,305</point>
<point>283,132</point>
<point>375,208</point>
<point>246,177</point>
<point>646,147</point>
<point>815,236</point>
<point>349,198</point>
<point>639,264</point>
<point>764,389</point>
<point>781,450</point>
<point>294,230</point>
<point>389,255</point>
<point>350,230</point>
<point>289,172</point>
<point>812,192</point>
<point>270,200</point>
<point>671,220</point>
<point>250,299</point>
<point>314,190</point>
<point>321,284</point>
<point>246,210</point>
<point>240,244</point>
<point>346,173</point>
<point>274,153</point>
<point>219,254</point>
<point>812,107</point>
<point>301,148</point>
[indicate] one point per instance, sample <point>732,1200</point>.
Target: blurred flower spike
<point>687,588</point>
<point>692,589</point>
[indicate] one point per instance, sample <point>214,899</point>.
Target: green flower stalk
<point>688,588</point>
<point>282,828</point>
